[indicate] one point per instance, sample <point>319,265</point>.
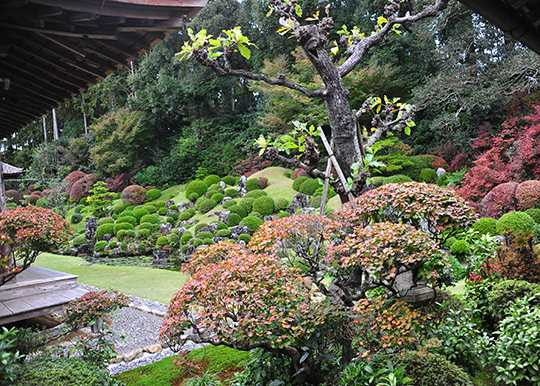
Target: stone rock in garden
<point>153,349</point>
<point>300,201</point>
<point>242,190</point>
<point>96,255</point>
<point>170,212</point>
<point>225,199</point>
<point>63,251</point>
<point>166,228</point>
<point>185,205</point>
<point>160,257</point>
<point>440,172</point>
<point>213,227</point>
<point>74,251</point>
<point>190,250</point>
<point>238,230</point>
<point>268,218</point>
<point>90,227</point>
<point>107,237</point>
<point>189,222</point>
<point>86,249</point>
<point>241,242</point>
<point>137,353</point>
<point>203,229</point>
<point>224,216</point>
<point>168,203</point>
<point>116,252</point>
<point>132,248</point>
<point>181,231</point>
<point>217,239</point>
<point>309,210</point>
<point>222,184</point>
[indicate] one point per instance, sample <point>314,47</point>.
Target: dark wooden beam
<point>65,44</point>
<point>83,16</point>
<point>56,29</point>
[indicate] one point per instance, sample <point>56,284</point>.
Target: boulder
<point>224,216</point>
<point>242,189</point>
<point>90,227</point>
<point>86,249</point>
<point>238,230</point>
<point>166,228</point>
<point>213,227</point>
<point>160,257</point>
<point>300,201</point>
<point>168,203</point>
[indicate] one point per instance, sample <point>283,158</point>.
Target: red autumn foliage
<point>528,195</point>
<point>263,182</point>
<point>459,162</point>
<point>520,260</point>
<point>14,195</point>
<point>439,163</point>
<point>82,187</point>
<point>71,178</point>
<point>299,173</point>
<point>133,194</point>
<point>500,200</point>
<point>118,183</point>
<point>251,165</point>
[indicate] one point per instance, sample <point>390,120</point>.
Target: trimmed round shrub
<point>158,204</point>
<point>161,241</point>
<point>196,242</point>
<point>193,197</point>
<point>171,220</point>
<point>223,232</point>
<point>79,240</point>
<point>309,186</point>
<point>264,205</point>
<point>82,187</point>
<point>126,212</point>
<point>486,226</point>
<point>255,194</point>
<point>43,202</point>
<point>460,248</point>
<point>199,226</point>
<point>263,182</point>
<point>252,184</point>
<point>281,204</point>
<point>106,220</point>
<point>428,175</point>
<point>121,233</point>
<point>143,233</point>
<point>239,210</point>
<point>513,222</point>
<point>204,235</point>
<point>150,209</point>
<point>150,218</point>
<point>247,204</point>
<point>396,179</point>
<point>113,244</point>
<point>211,179</point>
<point>535,214</point>
<point>130,233</point>
<point>229,203</point>
<point>186,237</point>
<point>221,225</point>
<point>133,194</point>
<point>233,219</point>
<point>207,241</point>
<point>185,248</point>
<point>450,241</point>
<point>78,208</point>
<point>196,186</point>
<point>298,182</point>
<point>316,202</point>
<point>100,246</point>
<point>377,181</point>
<point>153,194</point>
<point>504,294</point>
<point>430,370</point>
<point>500,200</point>
<point>49,371</point>
<point>139,213</point>
<point>207,205</point>
<point>218,197</point>
<point>105,229</point>
<point>146,225</point>
<point>76,218</point>
<point>229,180</point>
<point>231,192</point>
<point>118,208</point>
<point>187,214</point>
<point>299,173</point>
<point>282,214</point>
<point>528,195</point>
<point>256,214</point>
<point>123,225</point>
<point>162,211</point>
<point>245,238</point>
<point>253,223</point>
<point>129,219</point>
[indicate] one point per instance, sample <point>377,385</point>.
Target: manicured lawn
<point>154,284</point>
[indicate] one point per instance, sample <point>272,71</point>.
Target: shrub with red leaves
<point>528,195</point>
<point>251,165</point>
<point>500,200</point>
<point>71,179</point>
<point>438,162</point>
<point>263,182</point>
<point>459,162</point>
<point>118,183</point>
<point>133,194</point>
<point>14,195</point>
<point>299,173</point>
<point>81,188</point>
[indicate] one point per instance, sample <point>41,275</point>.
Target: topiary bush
<point>535,214</point>
<point>229,180</point>
<point>528,195</point>
<point>126,212</point>
<point>206,205</point>
<point>187,214</point>
<point>161,241</point>
<point>193,197</point>
<point>153,194</point>
<point>245,238</point>
<point>229,203</point>
<point>428,175</point>
<point>430,370</point>
<point>196,186</point>
<point>100,246</point>
<point>79,240</point>
<point>133,194</point>
<point>162,211</point>
<point>281,204</point>
<point>129,219</point>
<point>186,237</point>
<point>256,214</point>
<point>233,219</point>
<point>298,182</point>
<point>218,197</point>
<point>150,209</point>
<point>124,225</point>
<point>239,210</point>
<point>252,184</point>
<point>106,220</point>
<point>255,194</point>
<point>264,205</point>
<point>48,371</point>
<point>309,186</point>
<point>223,232</point>
<point>231,192</point>
<point>247,204</point>
<point>513,222</point>
<point>105,229</point>
<point>76,218</point>
<point>78,208</point>
<point>211,179</point>
<point>150,218</point>
<point>396,179</point>
<point>139,213</point>
<point>253,223</point>
<point>196,242</point>
<point>500,200</point>
<point>486,226</point>
<point>204,235</point>
<point>460,248</point>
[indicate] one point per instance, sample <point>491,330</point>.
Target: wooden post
<point>2,188</point>
<point>44,129</point>
<point>326,179</point>
<point>84,117</point>
<point>336,165</point>
<point>55,125</point>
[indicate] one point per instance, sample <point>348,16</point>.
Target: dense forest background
<point>162,121</point>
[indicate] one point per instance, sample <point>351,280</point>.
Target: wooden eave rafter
<point>51,50</point>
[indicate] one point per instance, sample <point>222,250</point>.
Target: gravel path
<point>140,324</point>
